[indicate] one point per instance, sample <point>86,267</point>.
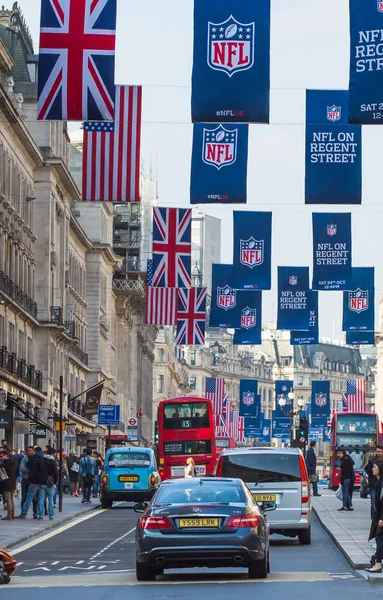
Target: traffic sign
<point>108,414</point>
<point>133,421</point>
<point>139,415</point>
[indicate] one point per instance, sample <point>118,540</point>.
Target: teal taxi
<point>130,475</point>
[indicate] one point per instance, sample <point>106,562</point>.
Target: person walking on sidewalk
<point>311,463</point>
<point>376,530</point>
<point>7,487</point>
<point>87,472</point>
<point>24,472</point>
<point>37,476</point>
<point>73,468</point>
<point>372,481</point>
<point>347,478</point>
<point>47,490</point>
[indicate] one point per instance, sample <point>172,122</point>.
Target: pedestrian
<point>371,478</point>
<point>8,486</point>
<point>190,470</point>
<point>24,472</point>
<point>347,478</point>
<point>311,463</point>
<point>4,445</point>
<point>47,490</point>
<point>87,472</point>
<point>99,466</point>
<point>37,476</point>
<point>376,530</point>
<point>74,478</point>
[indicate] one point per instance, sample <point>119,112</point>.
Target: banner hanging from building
<point>360,338</point>
<point>359,303</point>
<point>249,330</point>
<point>282,389</point>
<point>252,250</point>
<point>219,164</point>
<point>231,62</point>
<point>293,307</point>
<point>366,83</point>
<point>249,401</point>
<point>320,400</point>
<point>281,427</point>
<point>333,150</point>
<point>332,251</point>
<point>224,308</point>
<point>304,338</point>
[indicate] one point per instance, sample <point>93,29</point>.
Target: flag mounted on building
<point>215,391</point>
<point>354,400</point>
<point>191,316</point>
<point>93,398</point>
<point>161,303</point>
<point>172,247</point>
<point>111,151</point>
<point>76,60</point>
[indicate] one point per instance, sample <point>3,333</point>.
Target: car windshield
<point>176,494</point>
<point>257,467</point>
<point>119,460</point>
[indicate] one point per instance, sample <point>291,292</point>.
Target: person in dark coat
<point>311,463</point>
<point>7,487</point>
<point>376,530</point>
<point>347,478</point>
<point>371,479</point>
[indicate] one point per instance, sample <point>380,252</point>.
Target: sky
<point>309,49</point>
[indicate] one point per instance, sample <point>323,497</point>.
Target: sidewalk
<point>13,533</point>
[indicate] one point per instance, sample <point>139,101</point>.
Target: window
<point>262,467</point>
<point>161,355</point>
<point>2,331</point>
<point>191,415</point>
<point>11,338</point>
<point>128,460</point>
<point>160,384</point>
<point>192,356</point>
<point>208,492</point>
<point>193,383</point>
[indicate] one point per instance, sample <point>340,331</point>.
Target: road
<point>96,555</point>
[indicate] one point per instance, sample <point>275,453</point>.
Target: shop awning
<point>29,415</point>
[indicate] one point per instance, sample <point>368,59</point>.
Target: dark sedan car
<point>202,522</point>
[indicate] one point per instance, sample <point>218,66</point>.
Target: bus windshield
<point>356,424</point>
<point>193,415</point>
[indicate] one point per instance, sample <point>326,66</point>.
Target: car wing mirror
<point>269,505</point>
<point>140,507</point>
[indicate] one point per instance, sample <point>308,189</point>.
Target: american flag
<point>172,247</point>
<point>355,396</point>
<point>111,152</point>
<point>76,62</point>
<point>191,316</point>
<point>161,303</point>
<point>215,391</point>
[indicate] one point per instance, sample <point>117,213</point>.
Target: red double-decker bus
<point>185,428</point>
<point>222,442</point>
<point>358,434</point>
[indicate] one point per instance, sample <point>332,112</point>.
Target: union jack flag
<point>76,63</point>
<point>172,247</point>
<point>191,316</point>
<point>161,303</point>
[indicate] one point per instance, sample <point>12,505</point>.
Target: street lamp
<point>291,413</point>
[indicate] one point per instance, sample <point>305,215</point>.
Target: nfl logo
<point>219,146</point>
<point>293,280</point>
<point>380,6</point>
<point>358,300</point>
<point>226,297</point>
<point>251,252</point>
<point>265,431</point>
<point>320,399</point>
<point>230,46</point>
<point>333,113</point>
<point>248,398</point>
<point>331,229</point>
<point>248,317</point>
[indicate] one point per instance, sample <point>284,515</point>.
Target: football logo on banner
<point>248,398</point>
<point>219,146</point>
<point>252,252</point>
<point>320,399</point>
<point>334,113</point>
<point>293,280</point>
<point>230,46</point>
<point>380,6</point>
<point>248,317</point>
<point>358,300</point>
<point>226,297</point>
<point>331,229</point>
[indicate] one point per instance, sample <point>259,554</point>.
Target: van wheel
<point>258,569</point>
<point>145,573</point>
<point>304,537</point>
<point>105,503</point>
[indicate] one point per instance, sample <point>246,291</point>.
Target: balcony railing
<point>56,315</point>
<point>129,285</point>
<point>18,367</point>
<point>80,354</point>
<point>13,291</point>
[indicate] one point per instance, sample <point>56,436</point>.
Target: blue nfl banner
<point>305,338</point>
<point>219,164</point>
<point>282,388</point>
<point>249,401</point>
<point>332,251</point>
<point>252,250</point>
<point>281,427</point>
<point>293,307</point>
<point>249,330</point>
<point>359,303</point>
<point>360,338</point>
<point>231,62</point>
<point>333,150</point>
<point>320,400</point>
<point>224,308</point>
<point>366,64</point>
<point>247,337</point>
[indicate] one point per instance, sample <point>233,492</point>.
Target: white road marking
<point>79,562</point>
<point>111,544</point>
<point>54,563</point>
<point>78,568</point>
<point>37,569</point>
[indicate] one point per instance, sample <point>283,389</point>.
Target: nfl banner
<point>333,150</point>
<point>252,250</point>
<point>281,427</point>
<point>265,432</point>
<point>360,338</point>
<point>248,330</point>
<point>358,304</point>
<point>249,401</point>
<point>219,164</point>
<point>366,83</point>
<point>320,400</point>
<point>224,308</point>
<point>231,63</point>
<point>332,251</point>
<point>293,307</point>
<point>304,338</point>
<point>282,388</point>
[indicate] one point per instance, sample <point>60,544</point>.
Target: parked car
<point>278,475</point>
<point>202,522</point>
<point>130,474</point>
